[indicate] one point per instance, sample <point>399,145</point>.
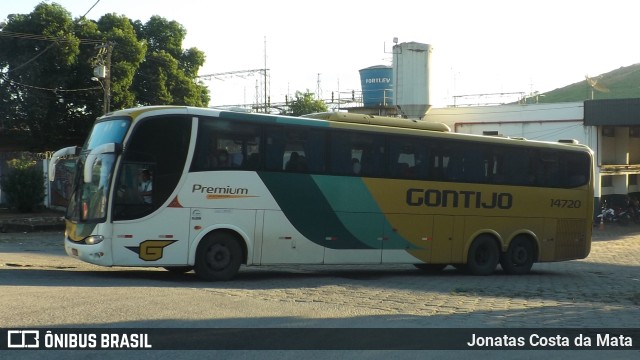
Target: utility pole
<point>107,79</point>
<point>266,104</point>
<point>102,73</point>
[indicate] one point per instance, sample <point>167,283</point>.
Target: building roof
<point>613,112</point>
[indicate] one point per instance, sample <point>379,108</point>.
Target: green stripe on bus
<point>307,208</point>
<point>353,203</point>
<point>338,208</point>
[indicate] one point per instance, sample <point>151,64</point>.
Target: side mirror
<point>93,155</point>
<point>71,150</point>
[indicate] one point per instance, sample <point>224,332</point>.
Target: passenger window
<point>158,149</point>
<point>408,159</point>
<point>224,144</point>
<point>463,162</point>
<point>357,154</point>
<point>295,150</point>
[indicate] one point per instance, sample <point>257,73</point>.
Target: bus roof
<point>345,120</point>
<point>379,120</point>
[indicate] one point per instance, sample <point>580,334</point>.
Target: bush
<point>24,185</point>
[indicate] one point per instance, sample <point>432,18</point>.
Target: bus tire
<point>483,256</point>
<point>178,269</point>
<point>218,257</point>
<point>519,257</point>
<point>431,268</point>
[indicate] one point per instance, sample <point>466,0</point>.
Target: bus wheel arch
<point>520,256</point>
<point>483,255</point>
<point>219,255</point>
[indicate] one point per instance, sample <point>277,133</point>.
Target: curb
<point>32,225</point>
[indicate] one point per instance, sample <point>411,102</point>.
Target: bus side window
<point>252,162</point>
<point>576,167</point>
<point>403,158</point>
<point>223,144</point>
<point>295,149</point>
<point>296,162</point>
<point>372,159</point>
<point>453,169</point>
<point>275,145</point>
<point>474,166</point>
<point>341,154</point>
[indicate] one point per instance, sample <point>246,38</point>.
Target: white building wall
<point>544,122</point>
<point>513,116</point>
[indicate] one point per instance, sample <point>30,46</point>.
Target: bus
<point>209,190</point>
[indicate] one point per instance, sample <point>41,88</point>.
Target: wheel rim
<point>218,257</point>
<point>483,255</point>
<point>520,256</point>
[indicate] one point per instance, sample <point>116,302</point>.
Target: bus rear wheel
<point>218,257</point>
<point>519,257</point>
<point>483,256</point>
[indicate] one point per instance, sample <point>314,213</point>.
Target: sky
<point>479,47</point>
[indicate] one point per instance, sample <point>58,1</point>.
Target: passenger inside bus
<point>217,158</point>
<point>145,186</point>
<point>356,166</point>
<point>296,162</point>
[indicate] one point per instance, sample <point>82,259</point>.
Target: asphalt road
<point>42,287</point>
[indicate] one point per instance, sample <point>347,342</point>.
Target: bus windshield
<point>88,201</point>
<point>111,131</point>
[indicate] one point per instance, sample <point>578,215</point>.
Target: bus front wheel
<point>483,256</point>
<point>519,257</point>
<point>218,257</point>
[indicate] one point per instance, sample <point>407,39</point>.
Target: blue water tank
<point>377,86</point>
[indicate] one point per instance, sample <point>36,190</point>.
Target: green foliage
<point>305,103</point>
<point>166,77</point>
<point>621,83</point>
<point>46,91</point>
<point>23,185</point>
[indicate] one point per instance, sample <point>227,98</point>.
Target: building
<point>611,128</point>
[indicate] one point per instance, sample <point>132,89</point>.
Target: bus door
<point>147,230</point>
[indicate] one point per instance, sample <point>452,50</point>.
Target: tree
<point>47,61</point>
<point>167,74</point>
<point>305,103</point>
<point>33,71</point>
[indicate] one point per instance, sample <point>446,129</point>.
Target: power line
<point>85,14</point>
<point>55,39</point>
<point>55,90</point>
<point>239,73</point>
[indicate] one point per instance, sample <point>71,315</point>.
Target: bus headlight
<point>94,239</point>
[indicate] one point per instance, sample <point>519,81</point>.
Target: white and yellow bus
<point>187,188</point>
